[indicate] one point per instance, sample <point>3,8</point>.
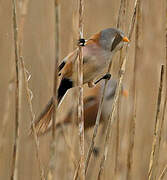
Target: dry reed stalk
<point>74,37</point>
<point>51,174</point>
<point>164,171</point>
<point>160,130</point>
<point>118,124</point>
<point>134,105</point>
<point>164,108</point>
<point>23,13</point>
<point>68,143</point>
<point>117,94</point>
<point>117,139</point>
<point>121,14</point>
<point>29,97</point>
<point>155,145</point>
<point>107,134</point>
<point>17,96</point>
<point>80,93</point>
<point>76,172</point>
<point>165,102</point>
<point>90,150</point>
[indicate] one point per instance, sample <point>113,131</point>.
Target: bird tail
<point>44,119</point>
<point>43,122</point>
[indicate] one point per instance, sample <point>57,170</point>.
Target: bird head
<point>112,39</point>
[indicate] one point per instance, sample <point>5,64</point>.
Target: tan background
<point>38,52</point>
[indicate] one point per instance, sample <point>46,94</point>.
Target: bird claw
<point>81,42</point>
<point>106,76</point>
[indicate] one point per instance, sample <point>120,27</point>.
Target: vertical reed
<point>111,118</point>
<point>134,97</point>
<point>29,97</point>
<point>23,6</point>
<point>164,171</point>
<point>17,96</point>
<point>51,174</point>
<point>159,122</point>
<point>120,23</point>
<point>154,153</point>
<point>90,150</point>
<point>80,94</point>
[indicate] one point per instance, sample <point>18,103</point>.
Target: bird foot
<point>81,42</point>
<point>106,76</point>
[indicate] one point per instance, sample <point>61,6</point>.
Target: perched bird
<point>91,104</point>
<point>97,53</point>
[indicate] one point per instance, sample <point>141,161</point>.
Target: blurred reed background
<point>126,159</point>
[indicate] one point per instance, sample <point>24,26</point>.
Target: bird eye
<point>117,40</point>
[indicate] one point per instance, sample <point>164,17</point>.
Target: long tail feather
<point>43,122</point>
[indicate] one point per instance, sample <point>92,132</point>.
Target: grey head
<point>112,39</point>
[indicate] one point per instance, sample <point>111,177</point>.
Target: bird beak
<point>125,39</point>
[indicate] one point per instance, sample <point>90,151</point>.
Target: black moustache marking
<point>117,40</point>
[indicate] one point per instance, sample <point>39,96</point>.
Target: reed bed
<point>133,143</point>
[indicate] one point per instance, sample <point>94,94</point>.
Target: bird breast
<point>95,62</point>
